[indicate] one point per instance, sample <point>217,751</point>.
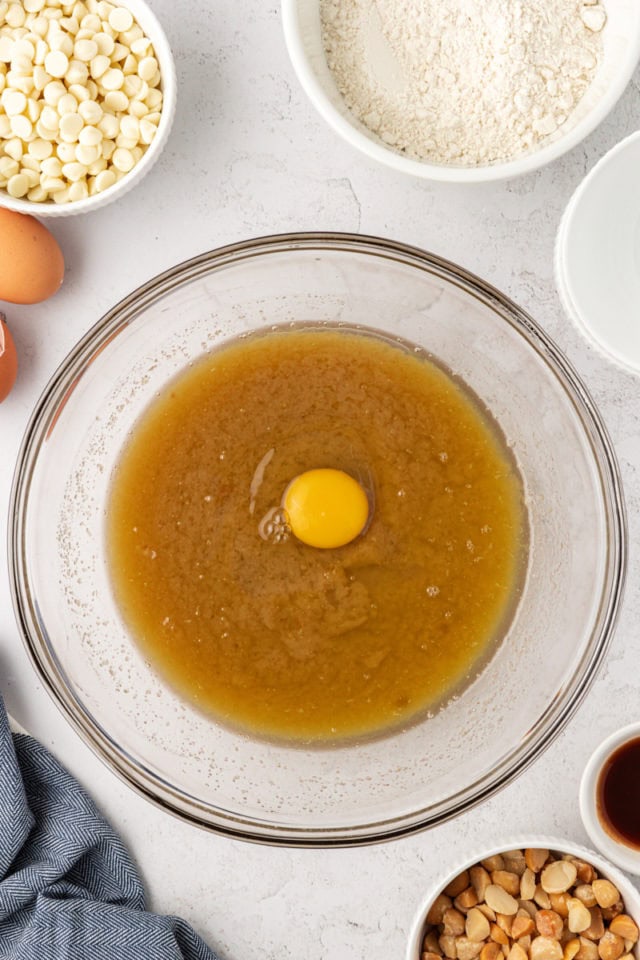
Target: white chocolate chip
<point>29,164</point>
<point>15,15</point>
<point>112,79</point>
<point>109,126</point>
<point>21,127</point>
<point>59,41</point>
<point>18,186</point>
<point>99,65</point>
<point>148,130</point>
<point>67,104</point>
<point>33,177</point>
<point>52,184</point>
<point>46,133</point>
<point>40,149</point>
<point>130,65</point>
<point>8,167</point>
<point>90,136</point>
<point>153,99</point>
<point>33,110</point>
<point>104,8</point>
<point>39,26</point>
<point>104,180</point>
<point>117,101</point>
<point>138,109</point>
<point>23,83</point>
<point>56,63</point>
<point>120,19</point>
<point>130,128</point>
<point>91,22</point>
<point>70,126</point>
<point>120,52</point>
<point>79,92</point>
<point>74,171</point>
<point>105,43</point>
<point>13,101</point>
<point>53,91</point>
<point>50,118</point>
<point>123,160</point>
<point>90,111</point>
<point>147,68</point>
<point>51,167</point>
<point>77,73</point>
<point>13,148</point>
<point>24,49</point>
<point>40,77</point>
<point>85,50</point>
<point>87,155</point>
<point>130,36</point>
<point>78,190</point>
<point>141,47</point>
<point>97,167</point>
<point>37,195</point>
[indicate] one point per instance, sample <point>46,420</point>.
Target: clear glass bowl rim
<point>56,394</point>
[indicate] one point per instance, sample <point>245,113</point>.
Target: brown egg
<point>8,360</point>
<point>31,262</point>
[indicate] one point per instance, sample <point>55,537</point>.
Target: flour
<point>463,81</point>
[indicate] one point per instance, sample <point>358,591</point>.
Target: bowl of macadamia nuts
<point>87,98</point>
<point>541,900</point>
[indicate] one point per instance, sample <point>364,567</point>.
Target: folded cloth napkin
<point>68,887</point>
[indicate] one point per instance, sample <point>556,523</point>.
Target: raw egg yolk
<point>326,508</point>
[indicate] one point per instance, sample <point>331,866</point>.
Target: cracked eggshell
<point>8,360</point>
<point>31,262</point>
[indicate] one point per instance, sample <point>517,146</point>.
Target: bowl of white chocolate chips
<point>87,98</point>
<point>543,899</point>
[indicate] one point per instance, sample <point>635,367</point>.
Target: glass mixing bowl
<point>358,792</point>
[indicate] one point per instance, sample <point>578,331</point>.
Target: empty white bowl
<point>622,854</point>
<point>598,255</point>
<point>145,17</point>
<point>621,52</point>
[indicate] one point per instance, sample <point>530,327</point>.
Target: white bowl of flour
<point>463,90</point>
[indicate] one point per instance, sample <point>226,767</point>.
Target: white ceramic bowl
<point>621,38</point>
<point>597,259</point>
<point>630,894</point>
<point>623,855</point>
<point>145,17</point>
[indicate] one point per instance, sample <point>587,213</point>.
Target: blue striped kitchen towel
<point>68,887</point>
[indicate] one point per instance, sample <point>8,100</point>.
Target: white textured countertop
<point>248,156</point>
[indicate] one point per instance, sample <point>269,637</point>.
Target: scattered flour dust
<point>463,81</point>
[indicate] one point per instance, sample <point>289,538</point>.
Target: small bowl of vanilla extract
<point>610,798</point>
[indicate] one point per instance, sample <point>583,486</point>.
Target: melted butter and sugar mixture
<point>285,639</point>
